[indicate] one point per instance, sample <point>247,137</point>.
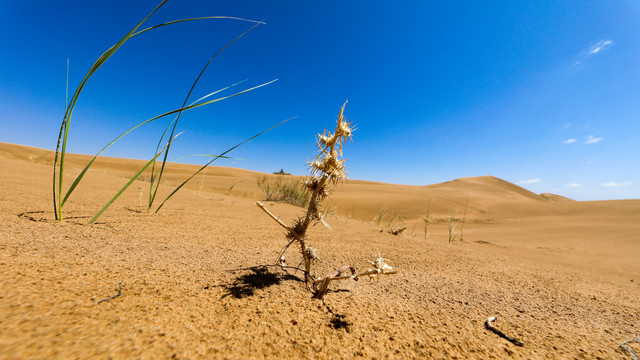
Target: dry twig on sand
<point>381,267</point>
<point>397,230</point>
<point>489,325</point>
<point>114,296</point>
<point>630,351</point>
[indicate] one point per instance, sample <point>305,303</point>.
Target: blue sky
<point>544,94</point>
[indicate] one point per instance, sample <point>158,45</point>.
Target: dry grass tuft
<point>291,191</point>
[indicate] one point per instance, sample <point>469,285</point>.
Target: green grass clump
<point>452,228</point>
<point>453,223</point>
<point>292,191</point>
<point>60,197</point>
<point>395,225</point>
<point>233,184</point>
<point>397,217</point>
<point>425,218</point>
<point>464,220</point>
<point>400,226</point>
<point>381,214</point>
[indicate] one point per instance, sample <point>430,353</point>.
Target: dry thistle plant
<point>327,168</point>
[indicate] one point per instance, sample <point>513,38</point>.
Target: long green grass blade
<point>207,155</point>
<point>153,167</point>
<point>197,18</point>
<point>86,168</point>
<point>215,92</point>
<point>61,145</point>
<point>216,158</point>
<point>66,101</point>
<point>134,178</point>
<point>64,127</point>
<point>175,123</point>
<point>193,103</point>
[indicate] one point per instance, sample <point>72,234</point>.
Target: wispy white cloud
<point>573,185</point>
<point>592,140</point>
<point>599,46</point>
<point>615,184</point>
<point>568,125</point>
<point>592,50</point>
<point>530,181</point>
<point>569,141</point>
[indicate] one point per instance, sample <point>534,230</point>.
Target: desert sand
<point>561,276</point>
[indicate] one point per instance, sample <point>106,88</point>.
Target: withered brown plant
<point>327,168</point>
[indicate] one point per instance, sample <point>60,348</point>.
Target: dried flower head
<point>381,266</point>
<point>329,163</point>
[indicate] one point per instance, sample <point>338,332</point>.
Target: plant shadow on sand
<point>259,278</point>
<point>42,216</point>
<point>338,321</point>
<point>27,216</point>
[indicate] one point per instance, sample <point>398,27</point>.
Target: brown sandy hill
<point>561,276</point>
<point>554,197</point>
<point>480,198</point>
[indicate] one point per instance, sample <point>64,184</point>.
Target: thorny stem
<point>313,203</point>
<point>298,237</point>
<point>328,166</point>
<point>328,171</point>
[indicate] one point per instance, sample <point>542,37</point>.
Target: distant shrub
<point>292,191</point>
<point>281,172</point>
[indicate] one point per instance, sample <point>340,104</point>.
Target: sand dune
<point>483,197</point>
<point>562,276</point>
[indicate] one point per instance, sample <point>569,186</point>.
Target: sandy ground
<point>561,276</point>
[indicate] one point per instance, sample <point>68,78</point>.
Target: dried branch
<point>261,206</point>
<point>114,296</point>
<point>489,325</point>
<point>630,351</point>
<point>397,230</point>
<point>381,267</point>
<point>369,272</point>
<point>323,286</point>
